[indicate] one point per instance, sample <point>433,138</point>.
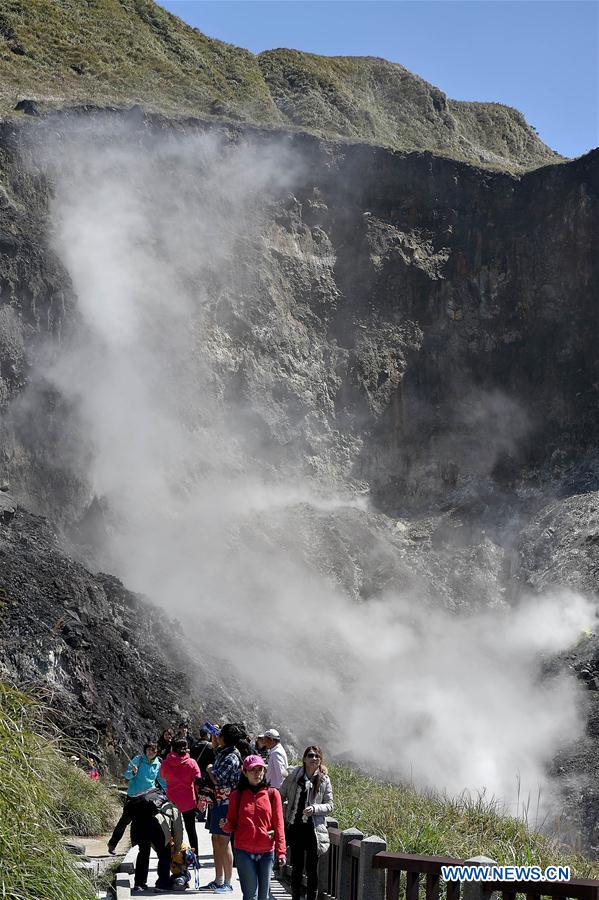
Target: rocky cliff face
<point>112,669</point>
<point>392,326</point>
<point>406,308</point>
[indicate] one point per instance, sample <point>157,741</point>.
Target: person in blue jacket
<point>142,774</point>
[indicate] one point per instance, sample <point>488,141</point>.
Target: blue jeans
<point>254,873</point>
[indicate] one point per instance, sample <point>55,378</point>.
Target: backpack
<point>222,793</point>
<point>181,863</point>
<point>156,796</point>
<point>147,804</point>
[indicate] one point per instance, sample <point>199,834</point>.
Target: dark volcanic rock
<point>29,107</point>
<point>406,322</point>
<point>560,546</point>
<point>113,668</point>
<point>410,323</point>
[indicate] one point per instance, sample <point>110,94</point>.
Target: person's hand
<point>223,824</point>
<point>134,770</point>
<point>281,862</point>
<point>309,811</point>
<point>209,767</point>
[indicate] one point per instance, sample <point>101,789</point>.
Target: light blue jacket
<point>147,775</point>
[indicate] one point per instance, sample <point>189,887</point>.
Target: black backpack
<point>147,804</point>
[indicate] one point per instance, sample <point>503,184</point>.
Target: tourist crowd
<point>253,804</point>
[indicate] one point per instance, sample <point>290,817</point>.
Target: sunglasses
<point>312,756</point>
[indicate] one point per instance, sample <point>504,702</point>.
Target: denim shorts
<point>218,811</point>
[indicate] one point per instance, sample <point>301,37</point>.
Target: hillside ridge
<point>122,52</point>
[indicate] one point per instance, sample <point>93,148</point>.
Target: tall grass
<point>41,794</point>
<point>430,823</point>
<point>79,805</point>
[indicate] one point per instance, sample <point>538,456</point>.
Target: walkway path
<point>207,874</point>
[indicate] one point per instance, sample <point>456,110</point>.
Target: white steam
<point>155,233</point>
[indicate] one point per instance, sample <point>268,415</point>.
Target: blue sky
<point>540,56</point>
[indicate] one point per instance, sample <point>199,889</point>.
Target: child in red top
<point>255,814</point>
<point>91,769</point>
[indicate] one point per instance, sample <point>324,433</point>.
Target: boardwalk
<point>278,890</point>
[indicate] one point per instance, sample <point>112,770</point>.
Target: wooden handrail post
<point>371,882</point>
<point>324,862</point>
<point>344,871</point>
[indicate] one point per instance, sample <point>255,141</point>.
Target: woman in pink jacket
<point>181,772</point>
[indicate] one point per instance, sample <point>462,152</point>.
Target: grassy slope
<point>429,824</point>
<point>133,51</point>
<point>382,102</point>
<point>123,51</point>
<point>42,794</point>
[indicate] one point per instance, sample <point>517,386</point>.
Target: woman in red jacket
<point>256,816</point>
<point>180,773</point>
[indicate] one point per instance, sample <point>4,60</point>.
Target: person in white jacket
<point>307,797</point>
<point>278,764</point>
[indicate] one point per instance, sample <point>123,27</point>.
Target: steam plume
<point>163,239</point>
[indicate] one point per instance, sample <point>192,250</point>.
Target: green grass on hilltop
<point>427,823</point>
<point>382,102</point>
<point>41,795</point>
<point>123,52</point>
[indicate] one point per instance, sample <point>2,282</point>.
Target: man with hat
<point>277,758</point>
<point>259,747</point>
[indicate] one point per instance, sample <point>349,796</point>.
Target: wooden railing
<point>329,887</point>
<point>359,868</point>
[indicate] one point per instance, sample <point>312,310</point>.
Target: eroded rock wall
<point>402,327</point>
<point>412,324</point>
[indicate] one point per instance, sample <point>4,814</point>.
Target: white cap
<point>272,733</point>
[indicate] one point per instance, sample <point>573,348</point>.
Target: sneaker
<point>210,886</point>
<point>111,850</point>
<point>139,888</point>
<point>222,888</point>
<point>228,885</point>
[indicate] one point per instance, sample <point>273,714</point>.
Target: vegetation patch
<point>429,823</point>
<point>42,796</point>
<point>122,52</point>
